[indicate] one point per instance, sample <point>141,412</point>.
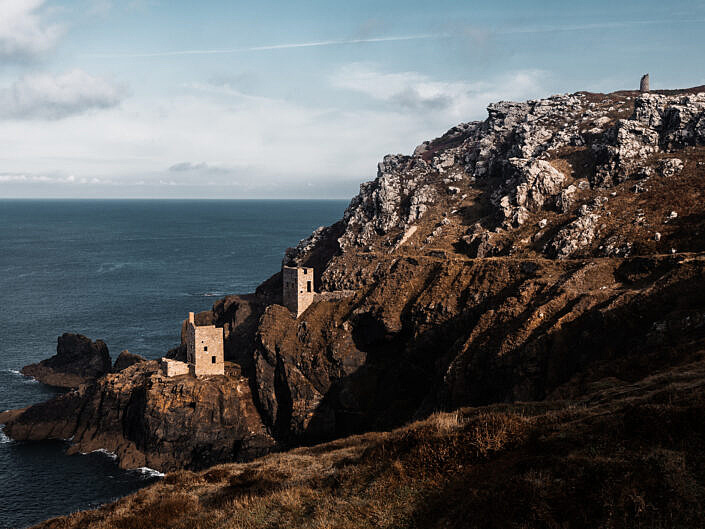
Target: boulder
<point>127,359</point>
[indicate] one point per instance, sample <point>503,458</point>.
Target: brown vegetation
<point>626,455</point>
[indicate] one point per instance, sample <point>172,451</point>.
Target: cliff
<point>524,257</point>
<point>552,248</point>
<point>148,420</point>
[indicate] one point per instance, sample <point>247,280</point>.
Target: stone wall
<point>173,368</point>
<point>297,288</point>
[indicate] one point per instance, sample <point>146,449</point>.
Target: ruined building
<point>204,352</point>
<point>297,288</point>
<point>644,85</point>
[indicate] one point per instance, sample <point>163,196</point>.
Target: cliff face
<point>148,420</point>
<point>535,255</point>
<point>524,257</point>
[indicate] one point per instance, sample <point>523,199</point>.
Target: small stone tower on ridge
<point>644,85</point>
<point>204,348</point>
<point>297,288</point>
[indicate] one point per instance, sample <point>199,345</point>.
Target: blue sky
<point>215,99</point>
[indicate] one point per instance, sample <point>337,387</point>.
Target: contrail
<point>265,48</point>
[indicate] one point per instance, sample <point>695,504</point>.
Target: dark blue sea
<point>126,272</point>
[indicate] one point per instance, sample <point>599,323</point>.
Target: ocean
<point>126,272</point>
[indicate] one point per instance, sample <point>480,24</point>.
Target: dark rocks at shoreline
<point>78,360</point>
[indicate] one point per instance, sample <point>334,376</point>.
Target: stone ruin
<point>297,288</point>
<point>644,85</point>
<point>205,354</point>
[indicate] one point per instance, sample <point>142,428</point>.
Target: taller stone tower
<point>644,85</point>
<point>297,288</point>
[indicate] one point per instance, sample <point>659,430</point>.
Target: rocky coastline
<point>529,257</point>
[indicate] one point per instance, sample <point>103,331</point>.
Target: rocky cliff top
<point>570,176</point>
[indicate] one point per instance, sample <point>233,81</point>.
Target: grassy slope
<point>627,455</point>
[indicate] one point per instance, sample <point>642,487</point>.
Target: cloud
<point>201,168</point>
<point>45,96</point>
<point>24,30</point>
<point>215,141</point>
<point>415,91</point>
<point>24,178</point>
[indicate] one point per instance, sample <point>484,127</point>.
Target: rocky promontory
<point>78,360</point>
<point>148,420</point>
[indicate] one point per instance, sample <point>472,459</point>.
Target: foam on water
<point>4,439</point>
<point>25,379</point>
<point>105,452</point>
<point>149,472</point>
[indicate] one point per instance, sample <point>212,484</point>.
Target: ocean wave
<point>4,439</point>
<point>106,268</point>
<point>209,294</point>
<point>105,452</point>
<point>111,455</point>
<point>25,379</point>
<point>147,472</point>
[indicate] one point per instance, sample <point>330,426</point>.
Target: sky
<point>296,98</point>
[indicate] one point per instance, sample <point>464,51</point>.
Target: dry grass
<point>628,456</point>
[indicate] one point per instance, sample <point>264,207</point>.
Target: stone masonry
<point>205,354</point>
<point>204,348</point>
<point>644,85</point>
<point>173,368</point>
<point>297,288</point>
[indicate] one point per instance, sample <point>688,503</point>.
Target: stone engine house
<point>205,353</point>
<point>297,288</point>
<point>204,348</point>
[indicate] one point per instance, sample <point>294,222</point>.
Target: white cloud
<point>45,96</point>
<point>24,29</point>
<point>221,142</point>
<point>23,178</point>
<point>447,99</point>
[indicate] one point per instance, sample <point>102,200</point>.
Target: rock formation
<point>126,359</point>
<point>149,420</point>
<point>77,360</point>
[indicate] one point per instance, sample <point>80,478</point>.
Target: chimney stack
<point>191,318</point>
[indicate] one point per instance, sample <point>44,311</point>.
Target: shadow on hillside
<point>419,369</point>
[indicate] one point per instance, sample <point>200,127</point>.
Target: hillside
<point>552,254</point>
<point>624,455</point>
